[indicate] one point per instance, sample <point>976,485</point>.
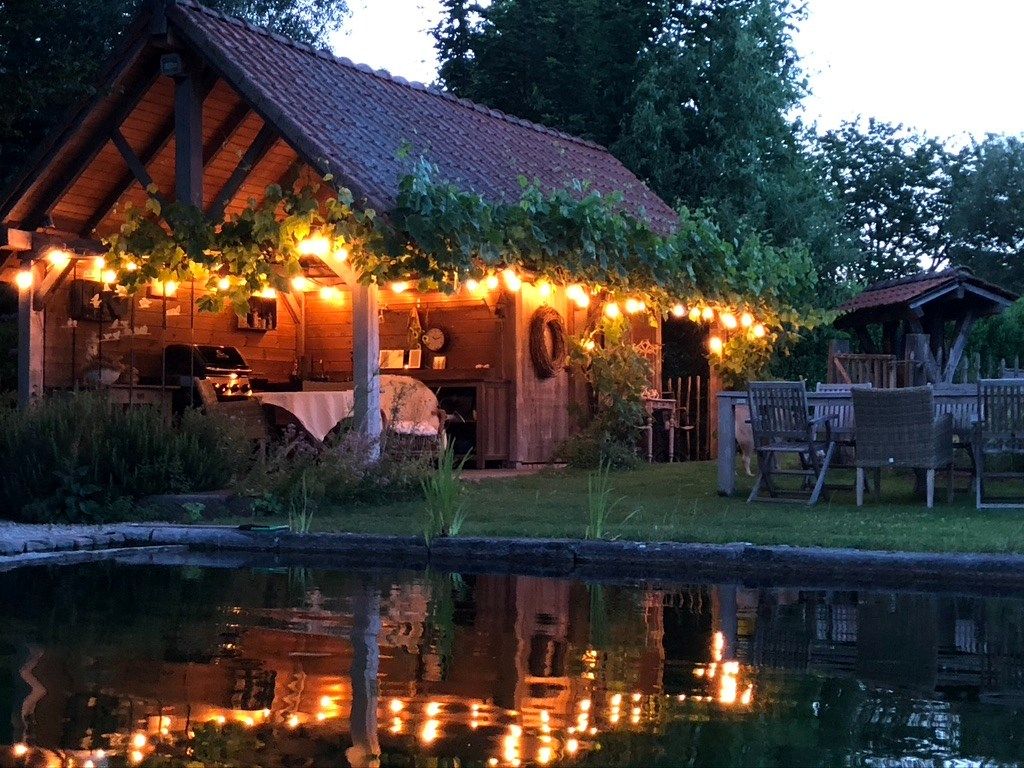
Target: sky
<point>949,68</point>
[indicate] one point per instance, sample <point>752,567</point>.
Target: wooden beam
<point>98,140</point>
<point>227,129</point>
<point>956,352</point>
<point>148,154</point>
<point>256,151</point>
<point>132,160</point>
<point>51,280</point>
<point>30,344</point>
<point>188,140</point>
<point>365,364</point>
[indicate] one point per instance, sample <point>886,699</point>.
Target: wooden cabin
<point>209,109</point>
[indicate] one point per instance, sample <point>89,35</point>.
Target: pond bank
<point>581,559</point>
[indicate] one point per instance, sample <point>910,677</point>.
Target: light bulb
<point>341,254</point>
<point>23,279</point>
<point>109,276</point>
<point>746,319</point>
<point>512,280</point>
<point>315,245</point>
<point>224,283</point>
<point>715,345</point>
<point>330,293</point>
<point>58,258</point>
<point>729,321</point>
<point>472,285</point>
<point>268,293</point>
<point>759,331</point>
<point>544,289</point>
<point>492,282</point>
<point>301,283</point>
<point>694,314</point>
<point>708,313</point>
<point>635,306</point>
<point>611,310</point>
<point>678,310</point>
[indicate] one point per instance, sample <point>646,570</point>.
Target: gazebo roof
<point>951,292</point>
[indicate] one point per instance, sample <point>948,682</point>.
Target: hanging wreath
<point>547,358</point>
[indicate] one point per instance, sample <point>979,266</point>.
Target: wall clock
<point>435,339</point>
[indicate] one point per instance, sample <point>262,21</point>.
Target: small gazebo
<point>926,318</point>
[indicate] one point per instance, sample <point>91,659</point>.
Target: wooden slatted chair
<point>999,430</point>
<point>781,424</point>
<point>898,428</point>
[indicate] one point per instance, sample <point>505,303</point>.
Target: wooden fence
<point>693,417</point>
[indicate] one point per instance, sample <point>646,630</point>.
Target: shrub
<point>444,511</point>
<point>80,458</point>
<point>300,475</point>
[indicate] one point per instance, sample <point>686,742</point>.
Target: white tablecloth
<point>318,412</point>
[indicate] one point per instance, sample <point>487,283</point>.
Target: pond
<point>115,665</point>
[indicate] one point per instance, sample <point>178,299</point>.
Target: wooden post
<point>30,342</point>
<point>726,446</point>
<point>188,139</point>
<point>365,641</point>
<point>365,363</point>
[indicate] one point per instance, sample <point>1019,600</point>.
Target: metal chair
<point>898,428</point>
<point>781,424</point>
<point>999,430</point>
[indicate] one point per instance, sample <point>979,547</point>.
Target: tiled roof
<point>905,289</point>
<point>354,121</point>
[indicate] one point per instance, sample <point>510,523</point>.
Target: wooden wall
<point>271,354</point>
<point>540,422</point>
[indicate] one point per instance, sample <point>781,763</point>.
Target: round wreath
<point>547,360</point>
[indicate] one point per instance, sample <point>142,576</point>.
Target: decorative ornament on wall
<point>547,342</point>
<point>435,339</point>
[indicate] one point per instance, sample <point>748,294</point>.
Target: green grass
<point>678,502</point>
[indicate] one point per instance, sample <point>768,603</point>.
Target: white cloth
<point>318,412</point>
<point>409,407</point>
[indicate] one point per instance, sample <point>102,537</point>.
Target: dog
<point>744,436</point>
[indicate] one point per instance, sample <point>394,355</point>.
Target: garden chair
<point>999,430</point>
<point>781,424</point>
<point>898,428</point>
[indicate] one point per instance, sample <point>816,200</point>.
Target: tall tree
<point>569,64</point>
<point>986,210</point>
<point>893,185</point>
<point>51,52</point>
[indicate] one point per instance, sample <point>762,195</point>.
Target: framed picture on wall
<point>262,315</point>
<point>392,358</point>
<point>415,358</point>
<point>439,362</point>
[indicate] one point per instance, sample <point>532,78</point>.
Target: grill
<point>223,367</point>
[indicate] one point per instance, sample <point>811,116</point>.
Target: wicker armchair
<point>781,424</point>
<point>998,431</point>
<point>898,428</point>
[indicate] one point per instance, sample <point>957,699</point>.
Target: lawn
<point>678,502</point>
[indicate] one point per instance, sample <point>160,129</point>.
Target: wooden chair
<point>898,428</point>
<point>999,430</point>
<point>781,424</point>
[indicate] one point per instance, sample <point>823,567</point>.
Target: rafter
<point>265,139</point>
<point>97,141</point>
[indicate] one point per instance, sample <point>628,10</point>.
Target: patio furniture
<point>999,430</point>
<point>898,428</point>
<point>781,424</point>
<point>245,414</point>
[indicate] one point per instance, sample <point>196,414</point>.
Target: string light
<point>20,750</point>
<point>472,285</point>
<point>167,288</point>
<point>512,280</point>
<point>716,345</point>
<point>678,310</point>
<point>58,258</point>
<point>23,279</point>
<point>746,319</point>
<point>635,306</point>
<point>707,313</point>
<point>396,706</point>
<point>331,294</point>
<point>268,293</point>
<point>545,289</point>
<point>109,276</point>
<point>224,283</point>
<point>302,283</point>
<point>341,254</point>
<point>611,310</point>
<point>315,245</point>
<point>729,321</point>
<point>492,282</point>
<point>759,331</point>
<point>399,286</point>
<point>130,266</point>
<point>694,314</point>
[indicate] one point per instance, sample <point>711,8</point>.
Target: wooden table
<point>960,400</point>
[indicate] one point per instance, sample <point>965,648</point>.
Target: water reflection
<point>108,665</point>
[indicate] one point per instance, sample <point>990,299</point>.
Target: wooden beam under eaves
<point>256,151</point>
